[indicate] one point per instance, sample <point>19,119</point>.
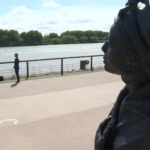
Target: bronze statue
<point>127,53</point>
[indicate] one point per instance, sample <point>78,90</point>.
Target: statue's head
<point>128,45</point>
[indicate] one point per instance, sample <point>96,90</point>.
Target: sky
<point>57,16</point>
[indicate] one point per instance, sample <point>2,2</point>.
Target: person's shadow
<point>13,85</point>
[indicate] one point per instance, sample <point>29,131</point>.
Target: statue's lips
<point>104,60</point>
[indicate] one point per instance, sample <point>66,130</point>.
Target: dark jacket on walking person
<point>16,67</point>
<point>16,63</point>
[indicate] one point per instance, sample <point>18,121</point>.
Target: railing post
<point>62,65</point>
<point>92,63</point>
<point>27,69</point>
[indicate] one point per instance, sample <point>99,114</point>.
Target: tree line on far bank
<point>13,38</point>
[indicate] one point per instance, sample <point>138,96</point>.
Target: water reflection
<point>50,51</point>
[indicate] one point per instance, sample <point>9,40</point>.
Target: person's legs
<point>17,74</point>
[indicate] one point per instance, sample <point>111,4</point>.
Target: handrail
<point>60,58</point>
<point>52,59</point>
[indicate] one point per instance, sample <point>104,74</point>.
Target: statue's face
<point>115,57</point>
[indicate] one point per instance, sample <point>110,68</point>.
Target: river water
<point>44,52</point>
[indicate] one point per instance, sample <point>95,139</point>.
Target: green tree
<point>3,32</point>
<point>23,35</point>
<point>93,39</point>
<point>89,33</point>
<point>84,39</point>
<point>10,38</point>
<point>56,41</point>
<point>101,33</point>
<point>103,36</point>
<point>65,33</point>
<point>53,35</point>
<point>77,33</point>
<point>13,37</point>
<point>46,40</point>
<point>68,39</point>
<point>4,40</point>
<point>34,37</point>
<point>19,41</point>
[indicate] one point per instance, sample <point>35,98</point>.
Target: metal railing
<point>60,67</point>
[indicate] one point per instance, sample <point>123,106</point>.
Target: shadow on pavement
<point>13,85</point>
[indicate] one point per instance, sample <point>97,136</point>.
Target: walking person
<point>16,67</point>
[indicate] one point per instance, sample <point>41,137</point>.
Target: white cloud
<point>3,22</point>
<point>68,8</point>
<point>47,22</point>
<point>80,21</point>
<point>141,6</point>
<point>50,3</point>
<point>53,20</point>
<point>20,10</point>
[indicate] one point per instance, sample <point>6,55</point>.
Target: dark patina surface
<point>127,53</point>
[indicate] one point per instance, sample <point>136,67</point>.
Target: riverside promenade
<point>59,113</point>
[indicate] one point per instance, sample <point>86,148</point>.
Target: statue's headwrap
<point>133,25</point>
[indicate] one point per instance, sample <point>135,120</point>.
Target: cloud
<point>17,11</point>
<point>50,3</point>
<point>47,27</point>
<point>46,23</point>
<point>68,8</point>
<point>80,21</point>
<point>77,17</point>
<point>141,6</point>
<point>3,22</point>
<point>106,27</point>
<point>19,28</point>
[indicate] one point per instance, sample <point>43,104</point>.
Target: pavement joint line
<point>65,89</point>
<point>89,95</point>
<point>72,90</point>
<point>67,114</point>
<point>92,97</point>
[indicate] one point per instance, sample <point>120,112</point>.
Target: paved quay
<point>56,113</point>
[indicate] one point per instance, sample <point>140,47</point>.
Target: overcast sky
<point>58,15</point>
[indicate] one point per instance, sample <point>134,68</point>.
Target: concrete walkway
<point>56,113</point>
